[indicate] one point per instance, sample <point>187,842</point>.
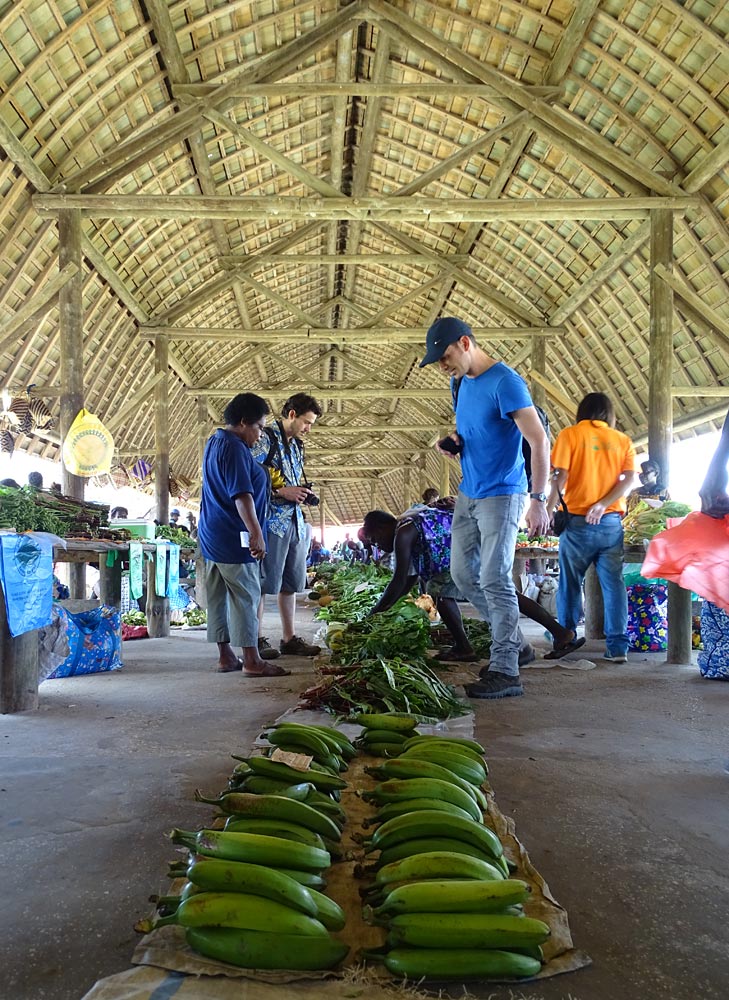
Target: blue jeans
<point>580,545</point>
<point>483,541</point>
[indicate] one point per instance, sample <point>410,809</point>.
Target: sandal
<point>229,670</point>
<point>269,670</point>
<point>565,649</point>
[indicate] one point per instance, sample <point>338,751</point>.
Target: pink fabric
<point>695,555</point>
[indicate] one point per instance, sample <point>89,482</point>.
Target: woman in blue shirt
<point>232,535</point>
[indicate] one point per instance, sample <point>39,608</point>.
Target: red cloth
<point>695,555</point>
<point>134,631</point>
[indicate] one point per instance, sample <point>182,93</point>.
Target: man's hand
<point>454,436</point>
<point>715,504</point>
<point>537,518</point>
<point>594,514</point>
<point>295,494</point>
<point>257,545</point>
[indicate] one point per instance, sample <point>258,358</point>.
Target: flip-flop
<point>565,649</point>
<point>270,670</point>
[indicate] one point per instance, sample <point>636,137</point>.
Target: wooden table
<point>19,654</point>
<point>679,604</point>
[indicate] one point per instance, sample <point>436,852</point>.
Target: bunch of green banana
<point>275,807</point>
<point>327,747</point>
<point>477,921</point>
<point>320,775</point>
<point>380,742</point>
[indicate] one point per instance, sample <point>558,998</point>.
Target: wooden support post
<point>660,368</point>
<point>594,606</point>
<point>322,516</point>
<point>71,329</point>
<point>679,625</point>
<point>374,494</point>
<point>110,578</point>
<point>445,476</point>
<point>18,667</point>
<point>539,365</point>
<point>201,582</point>
<point>202,429</point>
<point>158,606</point>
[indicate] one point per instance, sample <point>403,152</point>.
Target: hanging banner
<point>173,584</point>
<point>26,572</point>
<point>160,569</point>
<point>89,447</point>
<point>136,565</point>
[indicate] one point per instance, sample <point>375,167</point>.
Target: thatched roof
<point>508,151</point>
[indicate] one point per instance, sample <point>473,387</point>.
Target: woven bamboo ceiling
<point>293,190</point>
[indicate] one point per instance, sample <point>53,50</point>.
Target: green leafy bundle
<point>382,685</point>
<point>403,630</point>
<point>645,521</point>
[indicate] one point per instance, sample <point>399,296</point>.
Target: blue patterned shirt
<point>290,463</point>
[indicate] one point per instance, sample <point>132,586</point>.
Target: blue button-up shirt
<point>290,463</point>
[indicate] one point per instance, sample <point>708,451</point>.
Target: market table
<point>679,603</point>
<point>19,654</point>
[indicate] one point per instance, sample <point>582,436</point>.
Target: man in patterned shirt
<point>283,569</point>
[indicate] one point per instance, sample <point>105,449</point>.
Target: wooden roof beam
<point>360,335</point>
<point>337,392</point>
<point>716,324</point>
<point>358,88</point>
<point>319,259</point>
<point>36,306</point>
<point>371,208</point>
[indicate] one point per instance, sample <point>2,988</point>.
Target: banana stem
<point>199,797</point>
<point>185,837</point>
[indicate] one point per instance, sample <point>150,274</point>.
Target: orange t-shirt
<point>594,455</point>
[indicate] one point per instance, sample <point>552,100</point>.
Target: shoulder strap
<point>455,389</point>
<point>273,445</point>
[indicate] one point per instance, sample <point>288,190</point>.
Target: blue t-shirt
<point>492,463</point>
<point>229,471</point>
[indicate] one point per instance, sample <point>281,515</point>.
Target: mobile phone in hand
<point>448,444</point>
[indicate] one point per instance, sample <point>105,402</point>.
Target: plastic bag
<point>713,660</point>
<point>695,555</point>
<point>647,617</point>
<point>94,639</point>
<point>26,573</point>
<point>89,447</point>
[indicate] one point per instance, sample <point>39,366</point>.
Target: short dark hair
<point>35,479</point>
<point>301,403</point>
<point>596,406</point>
<point>245,408</point>
<point>377,519</point>
<point>430,494</point>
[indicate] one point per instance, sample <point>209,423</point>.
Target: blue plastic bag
<point>713,659</point>
<point>94,641</point>
<point>26,571</point>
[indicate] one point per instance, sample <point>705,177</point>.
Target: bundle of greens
<point>645,521</point>
<point>403,630</point>
<point>176,535</point>
<point>342,580</point>
<point>134,618</point>
<point>386,685</point>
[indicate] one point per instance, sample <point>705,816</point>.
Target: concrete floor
<point>616,777</point>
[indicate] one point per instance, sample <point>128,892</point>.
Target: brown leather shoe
<point>296,646</point>
<point>266,650</point>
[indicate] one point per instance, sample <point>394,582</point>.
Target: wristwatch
<point>541,497</point>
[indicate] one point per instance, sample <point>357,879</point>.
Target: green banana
<point>311,742</point>
<point>409,767</point>
<point>458,741</point>
<point>327,805</point>
<point>463,930</point>
<point>421,845</point>
<point>381,749</point>
<point>324,780</point>
<point>331,762</point>
<point>392,809</point>
<point>335,737</point>
<point>399,722</point>
<point>454,895</point>
<point>505,865</point>
<point>253,848</point>
<point>437,865</point>
<point>266,950</point>
<point>244,911</point>
<point>397,789</point>
<point>275,828</point>
<point>431,823</point>
<point>312,880</point>
<point>328,911</point>
<point>470,770</point>
<point>336,741</point>
<point>275,807</point>
<point>458,963</point>
<point>381,736</point>
<point>257,785</point>
<point>237,876</point>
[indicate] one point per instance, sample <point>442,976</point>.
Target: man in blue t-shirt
<point>232,535</point>
<point>493,411</point>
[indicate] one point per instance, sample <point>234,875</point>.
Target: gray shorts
<point>442,585</point>
<point>283,570</point>
<point>234,592</point>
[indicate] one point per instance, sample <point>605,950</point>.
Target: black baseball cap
<point>444,332</point>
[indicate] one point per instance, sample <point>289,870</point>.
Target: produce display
<point>251,893</point>
<point>441,886</point>
<point>523,541</point>
<point>28,509</point>
<point>643,521</point>
<point>134,618</point>
<point>171,534</point>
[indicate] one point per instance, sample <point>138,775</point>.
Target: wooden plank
<point>601,274</point>
<point>364,208</point>
<point>679,625</point>
<point>355,88</point>
<point>19,155</point>
<point>119,416</point>
<point>567,404</point>
<point>538,365</point>
<point>709,167</point>
<point>660,373</point>
<point>715,322</point>
<point>41,301</point>
<point>368,335</point>
<point>18,667</point>
<point>700,390</point>
<point>319,259</point>
<point>161,430</point>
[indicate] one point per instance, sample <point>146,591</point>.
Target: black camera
<point>448,444</point>
<point>311,499</point>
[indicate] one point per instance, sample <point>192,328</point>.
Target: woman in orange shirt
<point>594,468</point>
